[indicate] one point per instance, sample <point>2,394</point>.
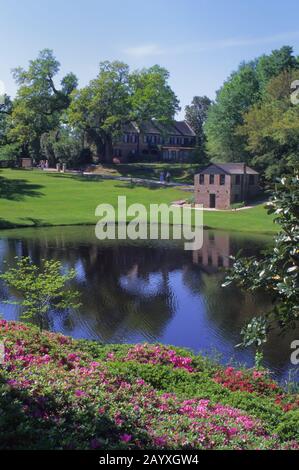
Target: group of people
<point>43,164</point>
<point>165,177</point>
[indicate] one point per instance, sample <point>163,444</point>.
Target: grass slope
<point>34,198</point>
<point>180,172</point>
<point>60,393</point>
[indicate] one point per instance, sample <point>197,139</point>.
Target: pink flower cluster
<point>158,354</point>
<point>70,400</point>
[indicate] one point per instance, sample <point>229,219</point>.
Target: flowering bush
<point>55,394</point>
<point>157,354</point>
<point>246,381</point>
<point>256,382</point>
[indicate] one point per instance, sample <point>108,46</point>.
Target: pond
<point>151,291</point>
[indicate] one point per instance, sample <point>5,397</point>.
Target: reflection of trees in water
<point>109,309</point>
<point>229,309</point>
<point>126,289</point>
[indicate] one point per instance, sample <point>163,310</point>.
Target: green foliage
<point>278,272</point>
<point>59,393</point>
<point>288,426</point>
<point>41,288</point>
<point>9,152</point>
<point>63,145</point>
<point>151,97</point>
<point>115,98</point>
<point>235,97</point>
<point>253,119</point>
<point>271,127</point>
<point>196,115</point>
<point>39,103</point>
<point>269,66</point>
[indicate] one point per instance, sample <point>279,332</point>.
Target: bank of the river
<point>59,393</point>
<point>35,198</point>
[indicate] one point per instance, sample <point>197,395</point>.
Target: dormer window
<point>212,179</point>
<point>222,180</point>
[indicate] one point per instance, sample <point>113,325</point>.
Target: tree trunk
<point>95,145</point>
<point>108,149</point>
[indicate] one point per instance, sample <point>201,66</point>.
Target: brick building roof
<point>229,168</point>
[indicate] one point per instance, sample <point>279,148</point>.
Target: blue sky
<point>199,41</point>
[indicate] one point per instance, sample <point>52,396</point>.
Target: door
<point>212,201</point>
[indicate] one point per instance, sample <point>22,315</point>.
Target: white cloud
<point>147,50</point>
<point>144,50</point>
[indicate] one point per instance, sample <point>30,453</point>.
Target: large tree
<point>235,97</point>
<point>115,97</point>
<point>5,111</point>
<point>277,273</point>
<point>152,96</point>
<point>101,108</point>
<point>9,151</point>
<point>196,115</point>
<point>271,127</point>
<point>238,95</point>
<point>39,102</point>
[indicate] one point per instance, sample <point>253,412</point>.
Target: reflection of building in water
<point>215,251</point>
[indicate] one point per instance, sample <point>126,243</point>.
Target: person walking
<point>162,177</point>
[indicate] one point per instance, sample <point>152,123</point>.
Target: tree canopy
<point>115,98</point>
<point>253,119</point>
<point>196,115</point>
<point>278,272</point>
<point>39,103</point>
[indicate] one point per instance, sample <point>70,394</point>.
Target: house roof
<point>184,128</point>
<point>130,127</point>
<point>150,127</point>
<point>230,168</point>
<point>178,128</point>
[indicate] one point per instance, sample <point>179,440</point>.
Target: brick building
<point>215,252</point>
<point>221,184</point>
<point>154,141</point>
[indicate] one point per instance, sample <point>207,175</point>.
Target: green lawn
<point>180,172</point>
<point>34,198</point>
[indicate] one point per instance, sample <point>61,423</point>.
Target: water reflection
<point>150,291</point>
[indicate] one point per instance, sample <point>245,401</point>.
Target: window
<point>222,180</point>
<point>251,179</point>
<point>171,140</point>
<point>220,261</point>
<point>238,179</point>
<point>212,178</point>
<point>201,179</point>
